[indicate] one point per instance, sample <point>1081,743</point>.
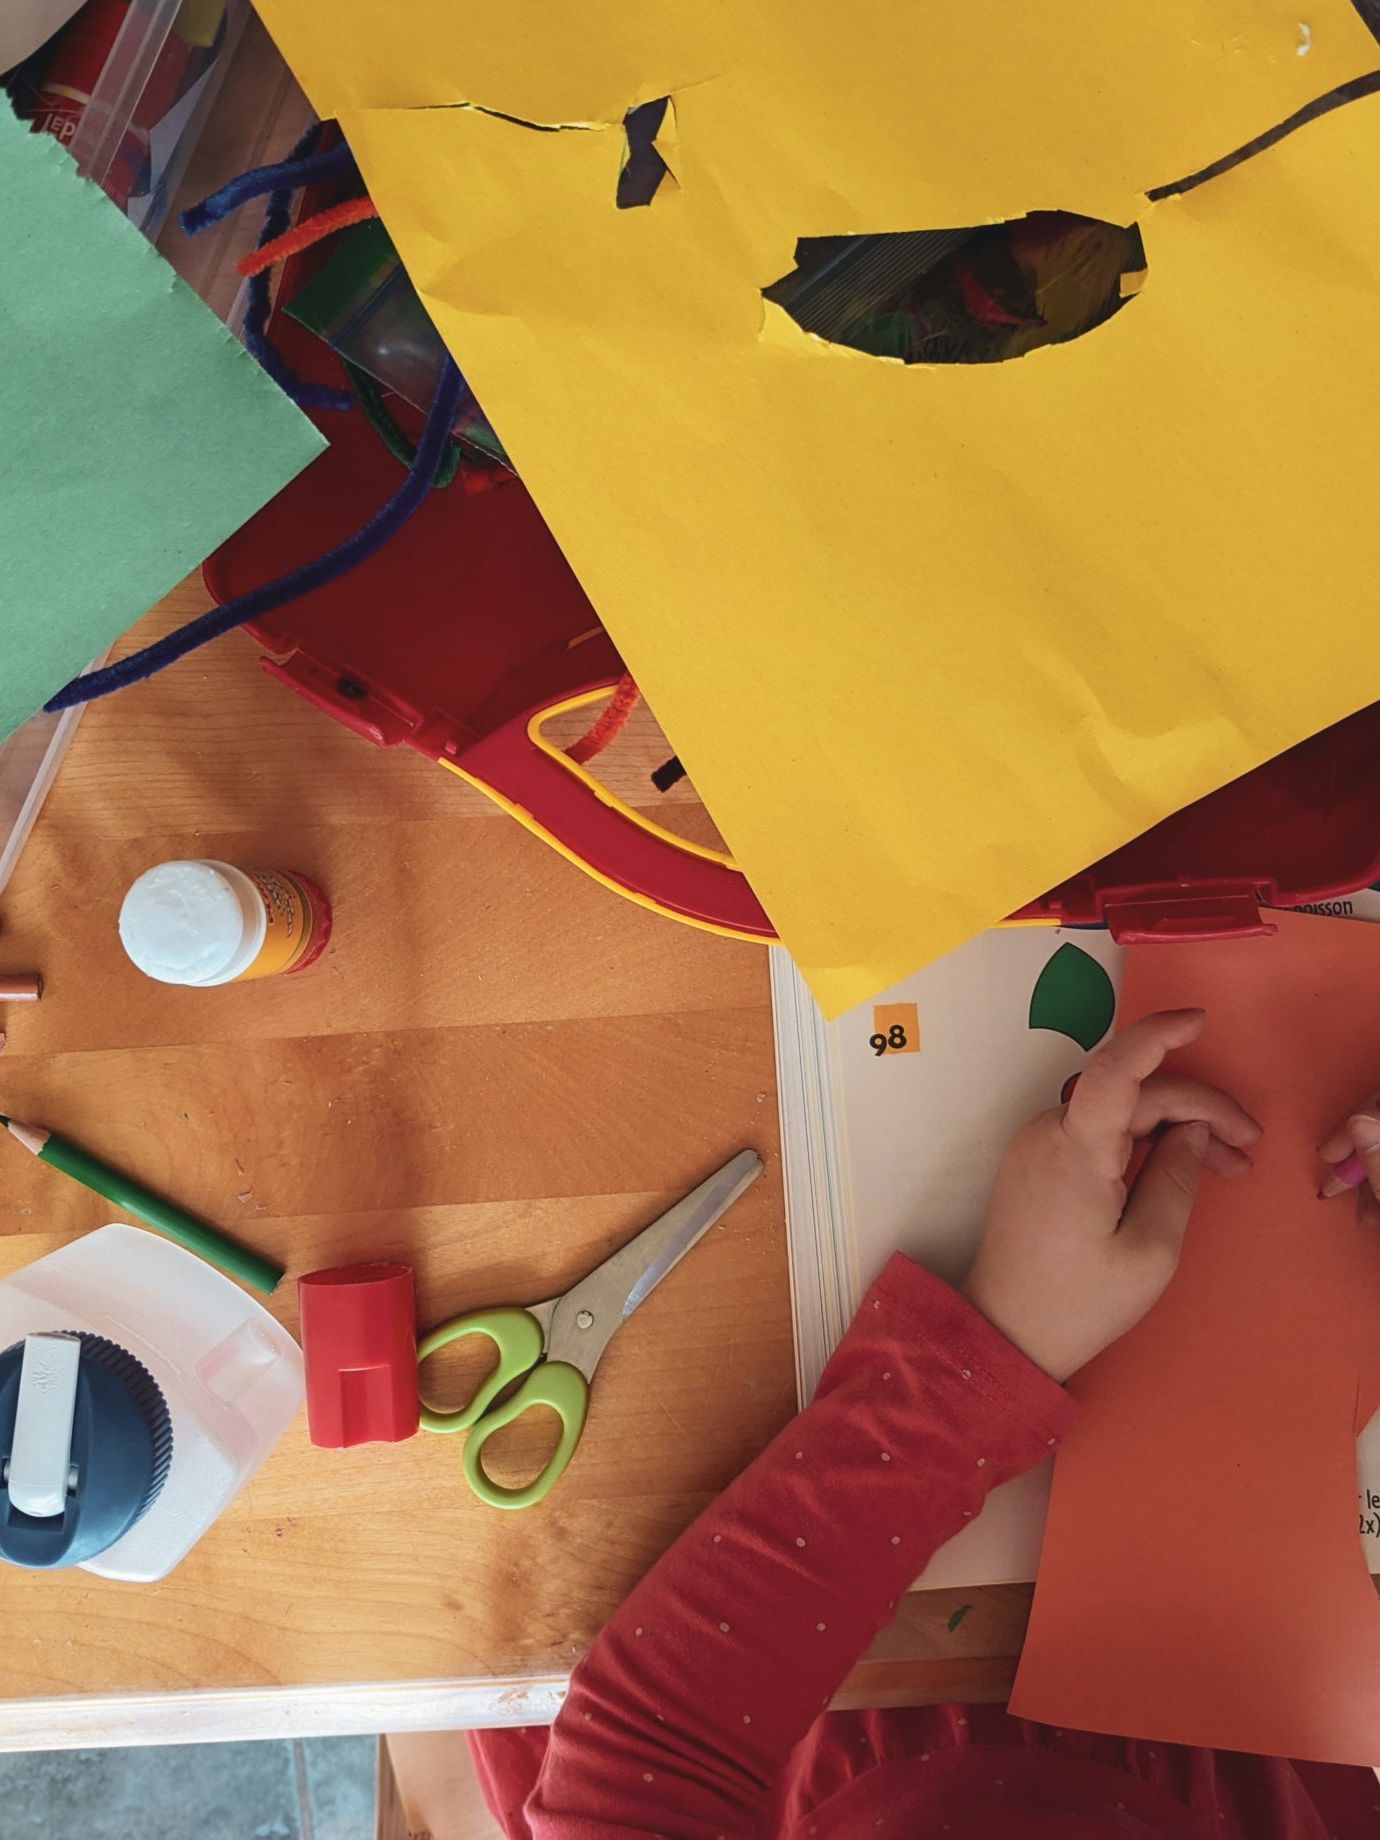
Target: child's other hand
<point>1070,1258</point>
<point>1358,1137</point>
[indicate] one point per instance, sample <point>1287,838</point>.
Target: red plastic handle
<point>567,807</point>
<point>1201,914</point>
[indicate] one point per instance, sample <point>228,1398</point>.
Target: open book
<point>893,1120</point>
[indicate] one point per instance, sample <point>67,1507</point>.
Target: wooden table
<point>498,1073</point>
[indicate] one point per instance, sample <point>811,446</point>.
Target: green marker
<point>210,1243</point>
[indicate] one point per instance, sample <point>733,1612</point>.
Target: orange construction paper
<point>1202,1581</point>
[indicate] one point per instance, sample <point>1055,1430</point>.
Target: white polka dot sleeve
<point>685,1710</point>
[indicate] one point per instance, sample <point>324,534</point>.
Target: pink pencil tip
<point>1348,1174</point>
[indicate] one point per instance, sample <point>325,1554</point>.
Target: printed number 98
<point>895,1039</point>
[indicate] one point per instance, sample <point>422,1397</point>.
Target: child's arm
<point>681,1717</point>
<point>683,1712</point>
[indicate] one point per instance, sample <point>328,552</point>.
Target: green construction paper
<point>135,432</point>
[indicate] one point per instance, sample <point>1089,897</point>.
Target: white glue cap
<point>192,922</point>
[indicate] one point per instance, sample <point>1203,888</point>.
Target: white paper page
<point>923,1135</point>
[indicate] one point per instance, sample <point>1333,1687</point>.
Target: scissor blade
<point>610,1294</point>
<point>665,1243</point>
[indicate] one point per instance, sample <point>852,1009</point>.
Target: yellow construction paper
<point>928,639</point>
<point>1000,102</point>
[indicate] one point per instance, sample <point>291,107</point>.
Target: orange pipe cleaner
<point>612,721</point>
<point>309,231</point>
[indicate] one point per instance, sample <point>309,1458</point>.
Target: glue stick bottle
<point>203,923</point>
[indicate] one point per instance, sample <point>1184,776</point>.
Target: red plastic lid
<point>359,1339</point>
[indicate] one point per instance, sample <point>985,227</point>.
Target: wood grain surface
<point>498,1072</point>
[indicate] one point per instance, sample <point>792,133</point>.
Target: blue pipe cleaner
<point>303,166</point>
<point>259,290</point>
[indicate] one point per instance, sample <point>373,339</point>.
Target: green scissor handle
<point>555,1384</point>
<point>518,1337</point>
<point>520,1341</point>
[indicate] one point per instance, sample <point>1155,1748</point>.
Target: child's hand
<point>1359,1135</point>
<point>1070,1259</point>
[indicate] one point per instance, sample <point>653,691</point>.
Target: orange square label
<point>895,1029</point>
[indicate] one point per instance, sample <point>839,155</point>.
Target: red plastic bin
<point>461,639</point>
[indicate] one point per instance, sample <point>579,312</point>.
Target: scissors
<point>553,1348</point>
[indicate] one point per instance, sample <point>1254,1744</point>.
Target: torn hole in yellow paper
<point>1341,96</point>
<point>976,296</point>
<point>647,165</point>
<point>520,121</point>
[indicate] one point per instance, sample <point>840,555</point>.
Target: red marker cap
<point>359,1340</point>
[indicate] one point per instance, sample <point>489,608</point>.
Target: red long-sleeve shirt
<point>699,1714</point>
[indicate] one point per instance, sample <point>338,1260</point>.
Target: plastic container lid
<point>85,1445</point>
<point>359,1341</point>
<point>192,923</point>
